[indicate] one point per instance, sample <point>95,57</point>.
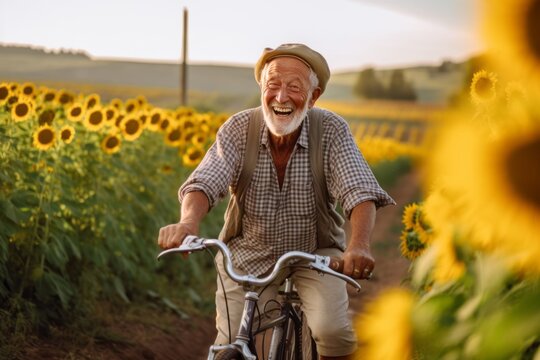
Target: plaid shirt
<point>280,220</point>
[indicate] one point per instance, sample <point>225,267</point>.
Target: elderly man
<point>283,206</point>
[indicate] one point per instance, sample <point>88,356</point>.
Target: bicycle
<point>290,335</point>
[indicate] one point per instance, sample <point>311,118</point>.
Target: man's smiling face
<point>286,94</point>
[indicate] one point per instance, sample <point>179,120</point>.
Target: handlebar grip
<point>336,264</point>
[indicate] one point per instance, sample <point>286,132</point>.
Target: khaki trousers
<point>324,301</point>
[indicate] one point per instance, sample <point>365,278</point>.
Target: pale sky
<point>350,33</point>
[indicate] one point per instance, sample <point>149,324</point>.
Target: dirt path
<point>137,337</point>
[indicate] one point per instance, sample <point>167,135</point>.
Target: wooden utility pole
<point>183,64</point>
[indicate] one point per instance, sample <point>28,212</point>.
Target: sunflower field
<point>86,185</point>
<point>474,240</point>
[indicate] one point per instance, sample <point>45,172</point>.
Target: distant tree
<point>399,88</point>
<point>367,85</point>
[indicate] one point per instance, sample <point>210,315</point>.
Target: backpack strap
<point>329,222</point>
<point>235,209</point>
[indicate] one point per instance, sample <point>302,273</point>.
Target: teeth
<point>282,109</point>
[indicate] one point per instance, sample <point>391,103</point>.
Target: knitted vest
<point>329,222</point>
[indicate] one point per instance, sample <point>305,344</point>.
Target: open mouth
<point>282,110</point>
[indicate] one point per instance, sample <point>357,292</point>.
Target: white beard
<point>280,128</point>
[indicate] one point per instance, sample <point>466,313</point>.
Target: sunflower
<point>410,215</point>
<point>110,115</point>
<point>46,116</point>
<point>193,156</point>
<point>483,87</point>
<point>64,97</point>
<point>28,89</point>
<point>91,101</point>
<point>44,137</point>
<point>67,133</point>
<point>390,313</point>
<point>131,106</point>
<point>48,95</point>
<point>131,128</point>
<point>154,120</point>
<point>5,93</point>
<point>22,110</point>
<point>116,103</point>
<point>111,143</point>
<point>173,137</point>
<point>75,112</point>
<point>512,31</point>
<point>411,245</point>
<point>94,119</point>
<point>499,205</point>
<point>164,124</point>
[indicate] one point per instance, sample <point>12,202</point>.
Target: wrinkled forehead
<point>288,65</point>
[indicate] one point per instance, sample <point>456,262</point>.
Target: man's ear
<point>314,96</point>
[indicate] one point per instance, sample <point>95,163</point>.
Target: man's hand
<point>173,235</point>
<point>358,263</point>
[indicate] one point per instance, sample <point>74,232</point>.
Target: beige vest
<point>329,222</point>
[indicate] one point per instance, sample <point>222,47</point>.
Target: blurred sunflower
<point>173,137</point>
<point>385,328</point>
<point>46,116</point>
<point>131,106</point>
<point>22,110</point>
<point>5,92</point>
<point>48,95</point>
<point>141,100</point>
<point>512,30</point>
<point>199,139</point>
<point>411,245</point>
<point>28,89</point>
<point>193,156</point>
<point>116,103</point>
<point>75,112</point>
<point>110,115</point>
<point>111,143</point>
<point>64,97</point>
<point>94,119</point>
<point>91,101</point>
<point>67,133</point>
<point>410,215</point>
<point>131,128</point>
<point>500,203</point>
<point>44,137</point>
<point>154,120</point>
<point>164,124</point>
<point>483,87</point>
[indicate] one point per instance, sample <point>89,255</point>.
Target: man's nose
<point>282,95</point>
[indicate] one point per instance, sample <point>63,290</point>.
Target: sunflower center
<point>46,117</point>
<point>65,134</point>
<point>96,118</point>
<point>483,87</point>
<point>49,97</point>
<point>132,126</point>
<point>174,135</point>
<point>194,155</point>
<point>413,242</point>
<point>523,171</point>
<point>155,119</point>
<point>21,109</point>
<point>76,111</point>
<point>532,28</point>
<point>112,142</point>
<point>46,136</point>
<point>4,92</point>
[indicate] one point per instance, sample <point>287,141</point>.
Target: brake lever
<point>190,244</point>
<point>322,263</point>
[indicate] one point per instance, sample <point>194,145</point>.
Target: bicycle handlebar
<point>323,264</point>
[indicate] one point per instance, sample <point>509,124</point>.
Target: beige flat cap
<point>300,51</point>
